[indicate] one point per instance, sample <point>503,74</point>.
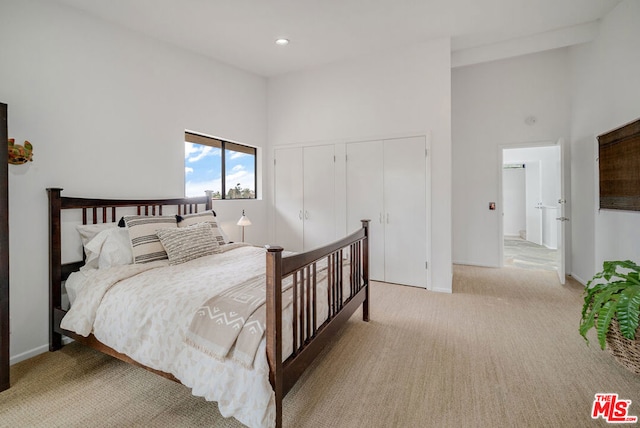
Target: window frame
<point>223,145</point>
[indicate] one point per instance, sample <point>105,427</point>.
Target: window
<point>226,168</point>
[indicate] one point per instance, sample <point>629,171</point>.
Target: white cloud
<point>245,178</point>
<point>238,168</point>
<point>195,152</point>
<point>197,188</point>
<point>203,152</point>
<point>187,170</point>
<point>237,155</point>
<point>189,148</point>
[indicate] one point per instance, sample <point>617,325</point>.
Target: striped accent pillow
<point>188,243</point>
<point>145,244</point>
<point>203,217</point>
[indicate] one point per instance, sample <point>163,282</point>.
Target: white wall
<point>398,93</point>
<point>490,102</point>
<point>548,158</point>
<point>513,195</point>
<point>105,109</point>
<point>605,95</point>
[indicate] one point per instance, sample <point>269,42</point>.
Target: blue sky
<point>202,166</point>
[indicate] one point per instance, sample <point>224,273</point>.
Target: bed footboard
<point>309,339</point>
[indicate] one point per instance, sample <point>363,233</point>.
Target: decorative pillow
<point>188,243</point>
<point>203,217</point>
<point>113,247</point>
<point>145,244</point>
<point>87,233</point>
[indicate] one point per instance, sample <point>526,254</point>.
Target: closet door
<point>364,198</point>
<point>386,182</point>
<point>405,211</point>
<point>319,196</point>
<point>288,171</point>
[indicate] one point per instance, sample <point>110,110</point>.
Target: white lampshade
<point>244,220</point>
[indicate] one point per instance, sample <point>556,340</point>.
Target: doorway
<point>533,212</point>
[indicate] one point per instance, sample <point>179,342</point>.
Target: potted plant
<point>612,307</point>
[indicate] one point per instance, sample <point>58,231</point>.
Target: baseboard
<point>34,352</point>
<point>28,354</point>
<point>458,262</point>
<point>580,280</point>
<point>442,290</point>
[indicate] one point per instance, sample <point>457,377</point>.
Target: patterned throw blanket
<point>232,324</point>
<point>235,317</point>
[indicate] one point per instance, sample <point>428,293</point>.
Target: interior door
<point>533,196</point>
<point>289,216</point>
<point>405,211</point>
<point>561,219</point>
<point>319,196</point>
<point>364,198</point>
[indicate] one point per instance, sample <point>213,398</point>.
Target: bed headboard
<point>99,211</point>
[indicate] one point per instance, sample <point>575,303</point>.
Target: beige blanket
<point>232,324</point>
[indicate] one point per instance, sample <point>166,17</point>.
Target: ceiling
<point>242,32</point>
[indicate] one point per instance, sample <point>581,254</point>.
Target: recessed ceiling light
<point>282,42</point>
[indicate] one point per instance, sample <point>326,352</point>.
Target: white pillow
<point>87,233</point>
<point>113,247</point>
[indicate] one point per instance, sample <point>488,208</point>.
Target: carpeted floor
<point>502,351</point>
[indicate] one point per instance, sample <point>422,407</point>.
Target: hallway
<point>523,254</point>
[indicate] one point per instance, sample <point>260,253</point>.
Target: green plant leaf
<point>627,264</point>
<point>603,294</point>
<point>613,292</point>
<point>610,270</point>
<point>605,314</point>
<point>628,311</point>
<point>589,296</point>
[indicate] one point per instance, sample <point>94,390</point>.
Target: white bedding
<point>146,316</point>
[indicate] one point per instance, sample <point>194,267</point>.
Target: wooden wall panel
<point>4,255</point>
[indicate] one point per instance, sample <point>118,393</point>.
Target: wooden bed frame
<point>309,338</point>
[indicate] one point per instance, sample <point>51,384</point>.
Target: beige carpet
<point>502,351</point>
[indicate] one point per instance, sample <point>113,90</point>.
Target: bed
<point>302,301</point>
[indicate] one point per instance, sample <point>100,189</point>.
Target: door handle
<point>562,218</point>
<point>381,218</point>
<point>306,215</point>
<point>300,215</point>
<point>387,218</point>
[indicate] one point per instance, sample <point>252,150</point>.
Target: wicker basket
<point>626,351</point>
